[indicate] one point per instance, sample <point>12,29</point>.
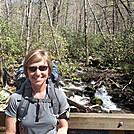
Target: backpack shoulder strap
<point>24,103</point>
<point>53,96</point>
<point>23,108</point>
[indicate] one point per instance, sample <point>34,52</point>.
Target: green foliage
<point>46,41</point>
<point>116,50</point>
<point>126,67</point>
<point>11,46</point>
<point>67,68</point>
<point>3,99</point>
<point>75,40</point>
<point>120,50</point>
<point>96,44</point>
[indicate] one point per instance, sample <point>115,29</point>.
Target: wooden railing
<point>114,123</point>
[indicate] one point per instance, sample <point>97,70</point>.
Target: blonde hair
<point>36,56</point>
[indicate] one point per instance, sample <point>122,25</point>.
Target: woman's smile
<point>38,77</point>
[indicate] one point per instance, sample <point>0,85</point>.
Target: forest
<point>95,36</point>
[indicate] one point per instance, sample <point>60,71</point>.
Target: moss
<point>96,101</point>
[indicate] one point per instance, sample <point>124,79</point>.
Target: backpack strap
<point>51,90</point>
<point>24,102</point>
<point>22,109</point>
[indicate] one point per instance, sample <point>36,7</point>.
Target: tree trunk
<point>58,10</point>
<point>1,67</point>
<point>116,16</point>
<point>104,9</point>
<point>39,19</point>
<point>23,23</point>
<point>121,17</point>
<point>28,24</point>
<point>55,6</point>
<point>80,21</point>
<point>66,14</point>
<point>127,9</point>
<point>7,9</point>
<point>85,30</point>
<point>96,20</point>
<point>130,19</point>
<point>113,21</point>
<point>52,30</point>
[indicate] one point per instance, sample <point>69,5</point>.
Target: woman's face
<point>38,73</point>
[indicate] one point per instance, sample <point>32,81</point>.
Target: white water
<point>101,93</point>
<point>107,103</point>
<point>80,99</point>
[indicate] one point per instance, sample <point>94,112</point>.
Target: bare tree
<point>80,20</point>
<point>96,20</point>
<point>104,10</point>
<point>28,24</point>
<point>129,20</point>
<point>85,30</point>
<point>52,29</point>
<point>59,10</point>
<point>66,14</point>
<point>121,14</point>
<point>55,9</point>
<point>1,65</point>
<point>128,9</point>
<point>23,20</point>
<point>7,9</point>
<point>113,17</point>
<point>39,19</point>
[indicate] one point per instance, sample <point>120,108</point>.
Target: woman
<point>40,117</point>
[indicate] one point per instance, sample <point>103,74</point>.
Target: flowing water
<point>101,93</point>
<point>108,105</point>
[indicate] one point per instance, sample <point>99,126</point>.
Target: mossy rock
<point>96,101</point>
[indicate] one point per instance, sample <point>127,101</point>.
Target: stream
<point>83,95</point>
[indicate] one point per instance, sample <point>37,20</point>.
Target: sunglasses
<point>34,68</point>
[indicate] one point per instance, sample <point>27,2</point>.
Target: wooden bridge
<point>114,123</point>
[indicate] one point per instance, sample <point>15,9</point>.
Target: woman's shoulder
<point>60,92</point>
<point>16,95</point>
<point>62,99</point>
<point>61,95</point>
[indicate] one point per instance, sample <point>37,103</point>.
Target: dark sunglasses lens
<point>43,68</point>
<point>32,69</point>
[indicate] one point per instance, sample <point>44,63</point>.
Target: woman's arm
<point>10,125</point>
<point>63,126</point>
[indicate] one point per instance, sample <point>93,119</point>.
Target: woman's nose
<point>38,72</point>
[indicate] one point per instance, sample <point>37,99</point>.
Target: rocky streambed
<point>110,84</point>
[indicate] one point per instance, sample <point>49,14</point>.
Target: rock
<point>96,101</point>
